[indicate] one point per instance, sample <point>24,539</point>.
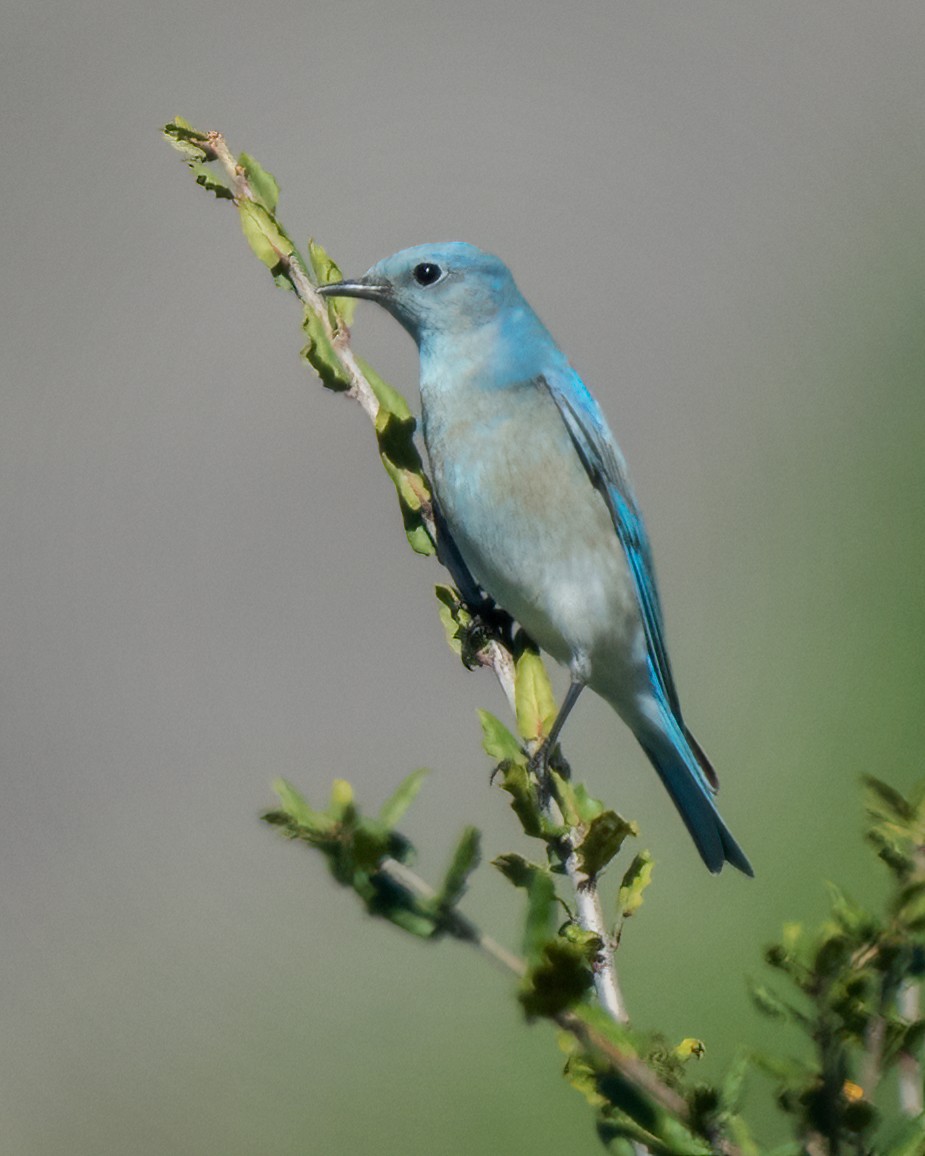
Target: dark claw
<point>489,622</point>
<point>477,636</point>
<point>543,760</point>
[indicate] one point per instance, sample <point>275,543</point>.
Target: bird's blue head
<point>449,288</point>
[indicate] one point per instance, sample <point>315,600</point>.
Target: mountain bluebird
<point>536,495</point>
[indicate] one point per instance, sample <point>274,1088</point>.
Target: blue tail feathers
<point>680,767</point>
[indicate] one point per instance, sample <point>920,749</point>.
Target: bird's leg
<point>546,751</point>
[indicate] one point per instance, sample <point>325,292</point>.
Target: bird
<point>537,498</point>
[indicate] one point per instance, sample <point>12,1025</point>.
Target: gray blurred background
<point>717,208</point>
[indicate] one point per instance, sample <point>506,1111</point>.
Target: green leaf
<point>883,797</point>
<point>913,1036</point>
<point>388,899</point>
<point>321,354</point>
<point>395,426</point>
<point>831,955</point>
<point>560,979</point>
<point>889,849</point>
<point>904,1138</point>
<point>517,869</point>
<point>454,616</point>
<point>767,1001</point>
<point>660,1134</point>
<point>416,924</point>
<point>586,807</point>
<point>372,842</point>
<point>615,1033</point>
<point>341,797</point>
<point>210,180</point>
<point>517,782</point>
<point>400,455</point>
<point>740,1135</point>
<point>533,697</point>
<point>589,941</point>
<point>420,541</point>
<point>580,1073</point>
<point>541,911</point>
<point>908,905</point>
<point>188,141</point>
<point>498,742</point>
<point>263,186</point>
<point>401,459</point>
<point>733,1083</point>
<point>541,900</point>
<point>603,839</point>
<point>848,915</point>
<point>637,878</point>
<point>387,395</point>
<point>197,152</point>
<point>325,271</point>
<point>465,859</point>
<point>564,795</point>
<point>269,243</point>
<point>401,799</point>
<point>324,267</point>
<point>295,806</point>
<point>785,1070</point>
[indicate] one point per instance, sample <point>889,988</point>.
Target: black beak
<point>368,290</point>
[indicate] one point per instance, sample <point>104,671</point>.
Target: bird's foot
<point>489,623</point>
<point>476,637</point>
<point>543,760</point>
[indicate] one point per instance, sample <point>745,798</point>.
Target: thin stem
<point>873,1055</point>
<point>874,1037</point>
<point>910,1070</point>
<point>458,925</point>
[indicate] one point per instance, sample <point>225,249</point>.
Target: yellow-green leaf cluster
<point>637,878</point>
<point>533,697</point>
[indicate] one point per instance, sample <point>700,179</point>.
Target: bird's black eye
<point>427,273</point>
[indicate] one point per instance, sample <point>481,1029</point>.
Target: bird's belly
<point>539,538</point>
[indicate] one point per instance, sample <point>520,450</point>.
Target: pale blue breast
<point>530,525</point>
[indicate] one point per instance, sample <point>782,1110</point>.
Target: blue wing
<point>679,759</point>
<point>607,470</point>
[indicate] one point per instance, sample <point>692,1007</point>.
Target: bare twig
<point>217,144</point>
<point>870,1072</point>
<point>457,923</point>
<point>910,1069</point>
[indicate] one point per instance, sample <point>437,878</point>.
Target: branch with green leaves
<point>856,980</point>
<point>479,634</point>
<point>634,1083</point>
<point>852,990</point>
